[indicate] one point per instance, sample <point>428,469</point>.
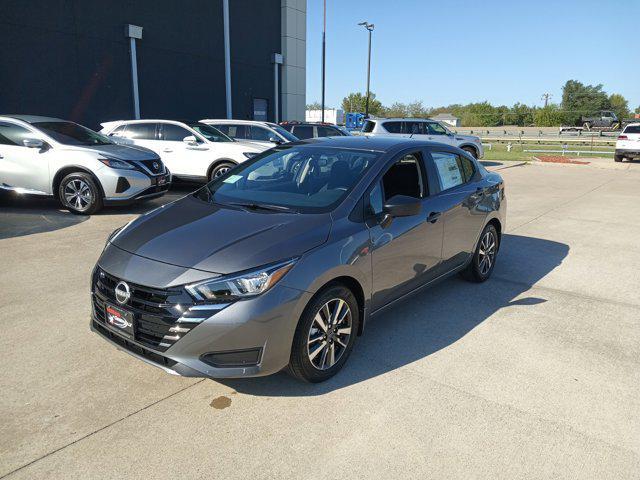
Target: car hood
<point>192,233</point>
<point>121,152</point>
<point>467,138</point>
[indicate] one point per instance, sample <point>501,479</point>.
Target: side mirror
<point>274,139</point>
<point>402,206</point>
<point>190,140</point>
<point>33,143</point>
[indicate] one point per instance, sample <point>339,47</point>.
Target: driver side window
<point>404,177</point>
<point>11,134</point>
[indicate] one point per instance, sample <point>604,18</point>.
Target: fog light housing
<point>233,358</point>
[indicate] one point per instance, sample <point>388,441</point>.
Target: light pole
<point>368,26</point>
<point>324,60</point>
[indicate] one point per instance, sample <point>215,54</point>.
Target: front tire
<point>220,169</point>
<point>471,151</point>
<point>484,257</point>
<point>79,194</point>
<point>618,158</point>
<point>325,335</point>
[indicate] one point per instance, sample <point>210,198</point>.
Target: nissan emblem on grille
<point>156,166</point>
<point>123,293</point>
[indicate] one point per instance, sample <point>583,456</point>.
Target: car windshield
<point>210,133</point>
<point>69,133</point>
<point>303,178</point>
<point>285,133</point>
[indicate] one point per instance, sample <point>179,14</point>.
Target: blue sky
<point>444,52</point>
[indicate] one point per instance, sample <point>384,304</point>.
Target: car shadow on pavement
<point>430,320</point>
<point>27,215</point>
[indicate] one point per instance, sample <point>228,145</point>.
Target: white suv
<point>628,143</point>
<point>423,129</point>
<point>266,134</point>
<point>191,150</point>
<point>81,168</point>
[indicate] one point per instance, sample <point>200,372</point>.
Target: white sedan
<point>191,150</point>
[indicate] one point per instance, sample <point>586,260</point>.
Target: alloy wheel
<point>221,171</point>
<point>77,194</point>
<point>486,252</point>
<point>329,334</point>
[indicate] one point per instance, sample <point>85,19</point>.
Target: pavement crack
<point>90,434</point>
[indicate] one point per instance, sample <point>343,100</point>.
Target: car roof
<point>375,143</point>
<point>403,119</point>
<point>33,118</point>
<point>233,120</point>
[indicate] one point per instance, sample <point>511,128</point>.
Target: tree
<point>397,109</point>
<point>579,99</point>
<point>355,102</point>
<point>416,109</point>
<point>619,105</point>
<point>314,106</point>
<point>637,110</point>
<point>549,116</point>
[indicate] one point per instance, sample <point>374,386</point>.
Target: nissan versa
<point>280,261</point>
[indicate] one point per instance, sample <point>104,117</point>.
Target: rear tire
<point>325,335</point>
<point>79,194</point>
<point>220,169</point>
<point>471,151</point>
<point>484,258</point>
<point>618,158</point>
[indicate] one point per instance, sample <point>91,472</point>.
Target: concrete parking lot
<point>534,374</point>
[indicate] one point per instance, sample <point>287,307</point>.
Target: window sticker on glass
<point>232,179</point>
<point>448,170</point>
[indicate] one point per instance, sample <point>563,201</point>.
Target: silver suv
<point>81,168</point>
<point>266,134</point>
<point>423,129</point>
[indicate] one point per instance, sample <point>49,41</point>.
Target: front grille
<point>159,319</point>
<point>132,347</point>
<point>154,166</point>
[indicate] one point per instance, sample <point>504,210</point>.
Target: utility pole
<point>546,97</point>
<point>369,27</point>
<point>324,49</point>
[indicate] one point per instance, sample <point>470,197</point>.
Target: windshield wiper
<point>263,206</point>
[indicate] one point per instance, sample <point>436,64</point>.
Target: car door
<point>190,159</point>
<point>405,251</point>
<point>23,167</point>
<point>263,136</point>
<point>437,133</point>
<point>460,203</point>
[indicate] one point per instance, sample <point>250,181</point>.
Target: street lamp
<point>368,26</point>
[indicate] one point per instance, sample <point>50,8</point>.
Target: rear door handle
<point>433,217</point>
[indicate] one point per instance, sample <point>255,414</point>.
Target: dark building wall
<point>70,58</point>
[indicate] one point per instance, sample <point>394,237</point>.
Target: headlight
<point>113,163</point>
<point>249,154</point>
<point>244,285</point>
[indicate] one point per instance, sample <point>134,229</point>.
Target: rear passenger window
<point>118,132</point>
<point>303,132</point>
<point>368,126</point>
<point>327,132</point>
<point>393,127</point>
<point>449,169</point>
<point>141,131</point>
<point>414,128</point>
<point>468,169</point>
<point>632,129</point>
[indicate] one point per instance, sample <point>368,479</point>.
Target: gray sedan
<point>281,262</point>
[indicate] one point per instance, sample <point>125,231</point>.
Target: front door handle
<point>433,217</point>
<point>168,150</point>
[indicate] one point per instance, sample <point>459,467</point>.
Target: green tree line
<point>578,100</point>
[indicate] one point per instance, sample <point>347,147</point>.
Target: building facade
<point>73,59</point>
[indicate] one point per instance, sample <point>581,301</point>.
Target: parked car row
<point>128,160</point>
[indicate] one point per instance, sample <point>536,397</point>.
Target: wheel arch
<point>495,221</point>
<point>64,171</point>
<point>471,145</point>
<point>217,162</point>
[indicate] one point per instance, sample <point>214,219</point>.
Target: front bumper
<point>123,187</point>
<point>264,324</point>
